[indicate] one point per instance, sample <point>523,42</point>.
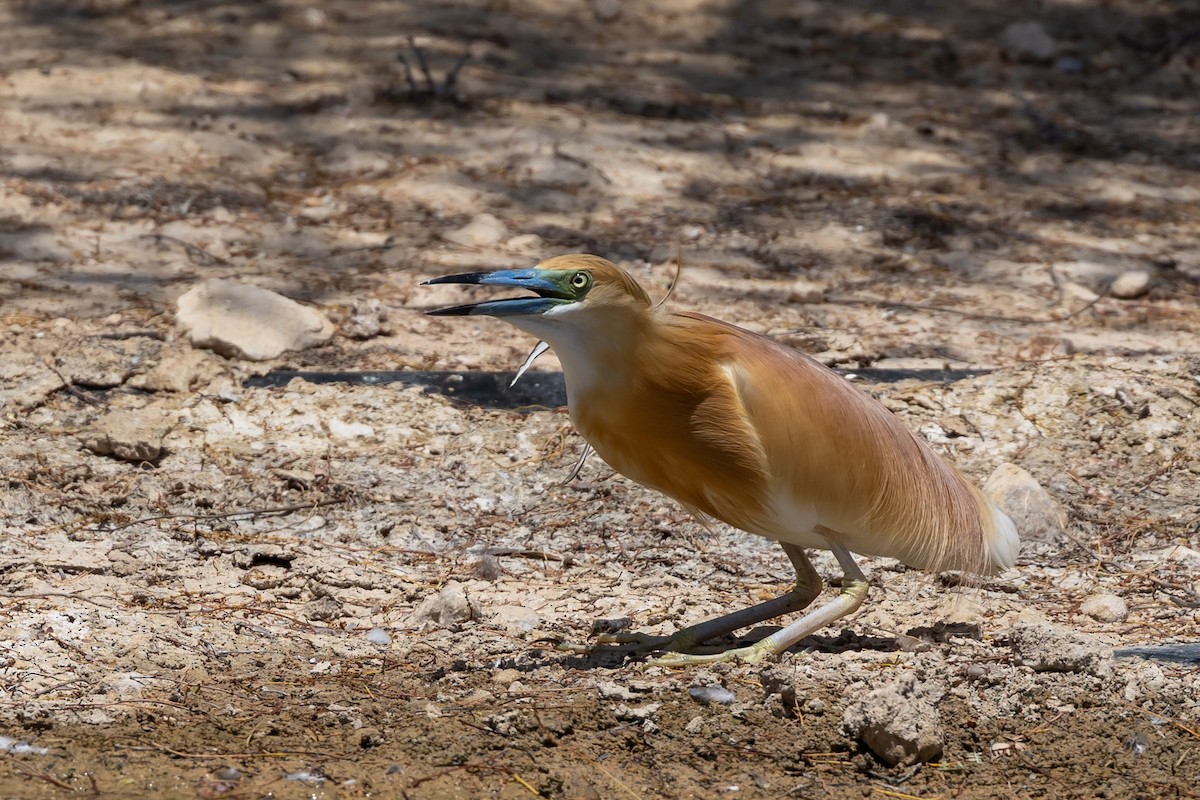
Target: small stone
<point>551,171</point>
<point>805,292</point>
<point>243,321</point>
<point>707,695</point>
<point>506,677</point>
<point>898,722</point>
<point>176,371</point>
<point>1048,648</point>
<point>482,231</point>
<point>379,636</point>
<point>134,436</point>
<point>323,609</point>
<point>606,10</point>
<point>448,607</point>
<point>340,429</point>
<point>368,318</point>
<point>636,713</point>
<point>525,243</point>
<point>1105,608</point>
<point>516,619</point>
<point>103,365</point>
<point>266,576</point>
<point>1028,41</point>
<point>1018,494</point>
<point>614,691</point>
<point>1131,283</point>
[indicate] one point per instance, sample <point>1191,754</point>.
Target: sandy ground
<point>349,587</point>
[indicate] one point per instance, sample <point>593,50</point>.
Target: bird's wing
<point>836,458</point>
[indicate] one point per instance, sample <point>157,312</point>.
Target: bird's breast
<point>670,444</point>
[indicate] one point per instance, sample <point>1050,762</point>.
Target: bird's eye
<point>579,280</point>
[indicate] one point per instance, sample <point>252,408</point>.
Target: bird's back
<point>737,427</point>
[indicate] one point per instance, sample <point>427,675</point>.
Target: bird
<point>739,428</point>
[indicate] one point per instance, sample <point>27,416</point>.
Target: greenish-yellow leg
<point>854,592</point>
<point>808,586</point>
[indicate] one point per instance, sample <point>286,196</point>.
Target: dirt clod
<point>1047,648</point>
<point>898,722</point>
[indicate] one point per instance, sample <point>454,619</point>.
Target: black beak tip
<point>452,311</point>
<point>468,277</point>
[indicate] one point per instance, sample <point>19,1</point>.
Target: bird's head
<point>569,289</point>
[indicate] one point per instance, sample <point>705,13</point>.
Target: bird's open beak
<point>549,293</point>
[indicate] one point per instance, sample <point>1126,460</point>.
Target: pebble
<point>1035,513</point>
<point>484,230</point>
<point>243,321</point>
<point>10,745</point>
<point>340,429</point>
<point>1131,284</point>
<point>551,171</point>
<point>447,607</point>
<point>1105,608</point>
<point>707,695</point>
<point>309,777</point>
<point>516,619</point>
<point>368,318</point>
<point>636,713</point>
<point>606,10</point>
<point>614,691</point>
<point>379,636</point>
<point>176,372</point>
<point>135,436</point>
<point>1028,41</point>
<point>506,677</point>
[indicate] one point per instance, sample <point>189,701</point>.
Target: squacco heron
<point>739,428</point>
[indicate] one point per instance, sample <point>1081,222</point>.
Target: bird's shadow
<point>483,389</point>
<point>536,389</point>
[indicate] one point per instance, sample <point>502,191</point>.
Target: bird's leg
<point>808,586</point>
<point>854,592</point>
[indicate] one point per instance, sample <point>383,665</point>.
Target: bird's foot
<point>751,654</point>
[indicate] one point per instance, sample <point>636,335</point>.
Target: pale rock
<point>614,691</point>
<point>898,722</point>
<point>1048,648</point>
<point>1105,608</point>
<point>506,677</point>
<point>525,243</point>
<point>448,607</point>
<point>805,292</point>
<point>516,618</point>
<point>606,10</point>
<point>379,636</point>
<point>551,171</point>
<point>483,231</point>
<point>176,371</point>
<point>368,318</point>
<point>1028,41</point>
<point>243,321</point>
<point>1018,494</point>
<point>134,436</point>
<point>340,429</point>
<point>635,713</point>
<point>709,695</point>
<point>1130,284</point>
<point>883,130</point>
